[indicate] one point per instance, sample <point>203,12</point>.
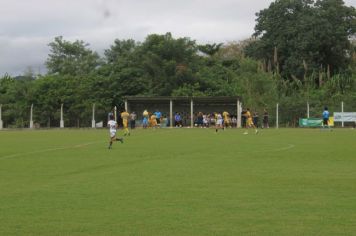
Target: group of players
<point>222,121</point>
<point>112,125</point>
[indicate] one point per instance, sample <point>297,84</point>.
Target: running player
<point>226,116</point>
<point>125,117</point>
<point>219,122</point>
<point>249,122</point>
<point>112,125</point>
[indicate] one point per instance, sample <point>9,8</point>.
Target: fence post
<point>308,110</point>
<point>238,125</point>
<point>277,117</point>
<point>93,119</point>
<point>342,110</point>
<point>31,117</point>
<point>191,113</point>
<point>239,118</point>
<point>171,113</point>
<point>1,124</point>
<point>115,111</point>
<point>126,106</point>
<point>62,121</point>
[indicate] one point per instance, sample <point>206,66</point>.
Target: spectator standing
<point>177,120</point>
<point>265,119</point>
<point>133,120</point>
<point>255,118</point>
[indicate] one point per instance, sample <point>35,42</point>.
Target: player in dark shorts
<point>158,115</point>
<point>265,119</point>
<point>326,115</point>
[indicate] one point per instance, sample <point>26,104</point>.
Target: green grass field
<point>178,182</point>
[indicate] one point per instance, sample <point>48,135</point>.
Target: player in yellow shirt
<point>249,122</point>
<point>125,120</point>
<point>226,117</point>
<point>153,121</point>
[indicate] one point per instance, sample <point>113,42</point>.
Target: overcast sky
<point>27,26</point>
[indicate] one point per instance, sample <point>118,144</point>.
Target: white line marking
<point>290,146</point>
<point>48,150</point>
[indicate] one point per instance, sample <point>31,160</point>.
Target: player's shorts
<point>249,122</point>
<point>153,123</point>
<point>112,133</point>
<point>158,120</point>
<point>219,122</point>
<point>326,121</point>
<point>145,121</point>
<point>124,122</point>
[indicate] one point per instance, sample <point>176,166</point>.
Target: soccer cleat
<point>121,140</point>
<point>246,133</point>
<point>256,132</point>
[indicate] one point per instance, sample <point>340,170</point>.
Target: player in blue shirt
<point>326,116</point>
<point>158,115</point>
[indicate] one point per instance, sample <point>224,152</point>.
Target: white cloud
<point>26,27</point>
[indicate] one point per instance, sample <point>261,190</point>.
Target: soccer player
<point>226,116</point>
<point>145,119</point>
<point>112,125</point>
<point>153,121</point>
<point>125,117</point>
<point>326,115</point>
<point>249,122</point>
<point>158,115</point>
<point>219,122</point>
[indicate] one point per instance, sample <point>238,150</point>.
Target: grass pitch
<point>178,182</point>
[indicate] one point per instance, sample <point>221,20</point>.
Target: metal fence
<point>279,115</point>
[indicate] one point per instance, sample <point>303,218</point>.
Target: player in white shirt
<point>219,122</point>
<point>112,125</point>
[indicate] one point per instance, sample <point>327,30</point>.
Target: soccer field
<point>178,182</point>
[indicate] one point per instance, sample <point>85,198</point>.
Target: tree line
<point>301,51</point>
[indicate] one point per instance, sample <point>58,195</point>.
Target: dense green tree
<point>16,95</point>
<point>168,63</point>
<point>71,58</point>
<point>304,36</point>
<point>122,70</point>
<point>162,65</point>
<point>210,49</point>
